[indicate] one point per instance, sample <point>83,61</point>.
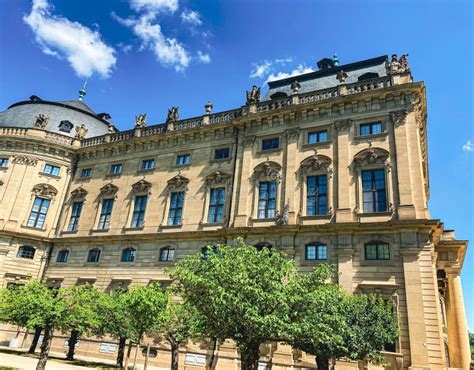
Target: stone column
<point>458,339</point>
<point>291,178</point>
<point>343,210</point>
<point>415,311</point>
<point>244,190</point>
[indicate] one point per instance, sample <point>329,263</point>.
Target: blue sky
<point>148,55</point>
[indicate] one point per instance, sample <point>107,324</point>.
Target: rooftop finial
<point>82,92</point>
<point>335,60</point>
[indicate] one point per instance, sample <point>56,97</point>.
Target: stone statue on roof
<point>400,65</point>
<point>81,132</point>
<point>41,121</point>
<point>173,115</point>
<point>140,120</point>
<point>253,96</point>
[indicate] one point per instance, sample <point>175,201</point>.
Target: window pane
<point>370,252</point>
<point>323,136</point>
<point>322,252</point>
<point>312,137</point>
<point>376,128</point>
<point>365,129</point>
<point>310,252</point>
<point>383,252</point>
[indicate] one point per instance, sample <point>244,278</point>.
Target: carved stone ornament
<point>41,121</point>
<point>80,192</point>
<point>217,178</point>
<point>267,170</point>
<point>283,218</point>
<point>173,115</point>
<point>248,140</point>
<point>253,96</point>
<point>178,182</point>
<point>109,189</point>
<point>295,87</point>
<point>341,77</point>
<point>343,125</point>
<point>81,132</point>
<point>400,65</point>
<point>141,186</point>
<point>44,190</point>
<point>24,159</point>
<point>371,156</point>
<point>315,163</point>
<point>140,120</point>
<point>292,133</point>
<point>398,117</point>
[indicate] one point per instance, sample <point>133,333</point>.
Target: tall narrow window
<point>139,210</point>
<point>176,208</point>
<point>316,195</point>
<point>373,189</point>
<point>106,212</point>
<point>267,199</point>
<point>38,212</point>
<point>75,215</point>
<point>63,256</point>
<point>216,205</point>
<point>128,254</point>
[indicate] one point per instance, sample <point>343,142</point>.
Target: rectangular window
<point>316,195</point>
<point>195,359</point>
<point>116,169</point>
<point>148,164</point>
<point>139,210</point>
<point>176,208</point>
<point>373,189</point>
<point>106,212</point>
<point>316,252</point>
<point>38,212</point>
<point>370,128</point>
<point>4,162</point>
<point>221,153</point>
<point>75,214</point>
<point>273,143</point>
<point>317,137</point>
<point>267,199</point>
<point>377,251</point>
<point>86,172</point>
<point>51,170</point>
<point>216,205</point>
<point>166,254</point>
<point>183,159</point>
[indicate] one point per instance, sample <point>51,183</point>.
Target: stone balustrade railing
<point>13,131</point>
<point>227,116</point>
<point>39,134</point>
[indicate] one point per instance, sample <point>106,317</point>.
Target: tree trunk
<point>34,343</point>
<point>72,344</point>
<point>128,354</point>
<point>121,351</point>
<point>146,357</point>
<point>45,347</point>
<point>322,362</point>
<point>212,357</point>
<point>174,355</point>
<point>249,356</point>
<point>137,348</point>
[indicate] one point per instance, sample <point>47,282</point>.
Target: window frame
<point>27,252</point>
<point>374,190</point>
<point>144,167</point>
<point>67,253</point>
<point>270,139</point>
<point>138,216</point>
<point>51,170</point>
<point>98,254</point>
<point>89,174</point>
<point>186,156</point>
<point>131,256</point>
<point>268,199</point>
<point>371,125</point>
<point>223,149</point>
<point>169,251</point>
<point>75,218</point>
<point>175,209</point>
<point>316,246</point>
<point>377,244</point>
<point>318,134</point>
<point>213,218</point>
<point>317,197</point>
<point>106,221</point>
<point>113,166</point>
<point>38,213</point>
<point>4,162</point>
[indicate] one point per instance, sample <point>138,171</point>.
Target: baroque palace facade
<point>329,166</point>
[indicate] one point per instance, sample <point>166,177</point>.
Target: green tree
<point>81,314</point>
<point>178,326</point>
<point>243,294</point>
<point>34,305</point>
<point>471,343</point>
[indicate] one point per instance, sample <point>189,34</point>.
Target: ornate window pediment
<point>316,163</point>
<point>80,192</point>
<point>141,186</point>
<point>45,190</point>
<point>109,189</point>
<point>217,178</point>
<point>178,182</point>
<point>371,156</point>
<point>267,170</point>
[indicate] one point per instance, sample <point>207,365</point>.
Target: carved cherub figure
<point>253,96</point>
<point>173,114</point>
<point>81,132</point>
<point>41,121</point>
<point>140,120</point>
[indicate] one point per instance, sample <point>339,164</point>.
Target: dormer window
<point>65,126</point>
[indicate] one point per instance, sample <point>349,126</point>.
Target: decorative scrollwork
<point>398,117</point>
<point>178,182</point>
<point>371,156</point>
<point>109,189</point>
<point>80,192</point>
<point>315,163</point>
<point>41,121</point>
<point>217,178</point>
<point>26,160</point>
<point>292,133</point>
<point>267,170</point>
<point>44,190</point>
<point>141,186</point>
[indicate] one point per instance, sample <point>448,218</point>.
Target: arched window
<point>128,254</point>
<point>25,251</point>
<point>63,256</point>
<point>316,252</point>
<point>94,255</point>
<point>207,250</point>
<point>377,251</point>
<point>261,246</point>
<point>166,254</point>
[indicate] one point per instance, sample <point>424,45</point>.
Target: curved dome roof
<point>62,117</point>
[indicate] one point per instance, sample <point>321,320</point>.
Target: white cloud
<point>204,58</point>
<point>168,51</point>
<point>154,6</point>
<point>261,70</point>
<point>468,147</point>
<point>61,38</point>
<point>191,17</point>
<point>301,69</point>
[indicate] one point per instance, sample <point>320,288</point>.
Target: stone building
<point>328,166</point>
